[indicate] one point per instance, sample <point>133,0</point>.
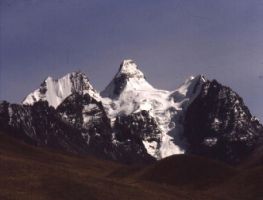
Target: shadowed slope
<point>191,171</point>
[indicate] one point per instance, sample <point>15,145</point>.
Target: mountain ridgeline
<point>133,122</point>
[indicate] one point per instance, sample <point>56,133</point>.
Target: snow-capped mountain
<point>55,91</point>
<point>132,121</point>
<point>130,93</point>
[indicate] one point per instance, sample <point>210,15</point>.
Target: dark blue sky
<point>170,40</point>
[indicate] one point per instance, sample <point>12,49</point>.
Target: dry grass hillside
<point>28,172</point>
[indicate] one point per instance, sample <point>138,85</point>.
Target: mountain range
<point>132,122</point>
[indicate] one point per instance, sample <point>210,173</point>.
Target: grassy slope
<point>27,172</point>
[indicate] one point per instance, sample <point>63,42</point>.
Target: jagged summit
<point>54,91</point>
<point>129,77</point>
<point>129,69</point>
<point>219,125</point>
<point>190,87</point>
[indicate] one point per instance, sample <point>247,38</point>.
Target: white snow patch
<point>151,147</point>
<point>216,120</point>
<point>10,114</point>
<point>210,141</point>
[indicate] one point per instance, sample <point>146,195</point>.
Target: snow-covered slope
<point>129,92</point>
<point>55,91</point>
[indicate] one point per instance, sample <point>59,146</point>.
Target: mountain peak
<point>54,91</point>
<point>129,69</point>
<point>129,77</point>
<point>76,75</point>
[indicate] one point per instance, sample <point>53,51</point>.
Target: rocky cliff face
<point>219,125</point>
<point>79,125</point>
<point>40,125</point>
